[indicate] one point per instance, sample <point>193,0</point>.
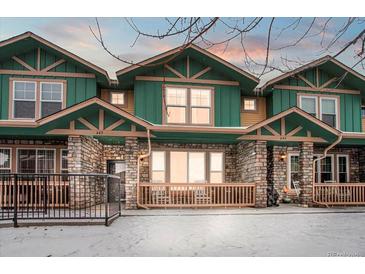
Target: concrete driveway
<point>270,232</point>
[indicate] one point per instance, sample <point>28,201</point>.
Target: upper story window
<point>118,98</point>
<point>188,106</point>
<point>35,99</point>
<point>24,106</point>
<point>51,98</point>
<point>324,108</point>
<point>249,104</point>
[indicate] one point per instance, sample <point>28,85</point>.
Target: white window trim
<point>336,108</point>
<point>164,170</point>
<point>347,167</point>
<point>309,97</point>
<point>289,168</point>
<point>118,92</point>
<point>25,100</point>
<point>10,158</point>
<point>319,166</point>
<point>49,101</point>
<point>36,160</point>
<point>61,151</point>
<point>249,110</point>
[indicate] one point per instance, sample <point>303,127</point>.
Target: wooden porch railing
<point>340,194</point>
<point>31,194</point>
<point>176,195</point>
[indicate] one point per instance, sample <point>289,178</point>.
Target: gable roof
<point>299,112</point>
<point>326,63</point>
<point>28,39</point>
<point>192,49</point>
<point>93,101</point>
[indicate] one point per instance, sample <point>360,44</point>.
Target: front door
<point>118,168</point>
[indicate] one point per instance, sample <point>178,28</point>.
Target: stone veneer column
<point>361,165</point>
<point>306,173</point>
<point>131,158</point>
<point>85,155</point>
<point>252,168</point>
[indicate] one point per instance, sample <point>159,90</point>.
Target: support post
<point>305,173</point>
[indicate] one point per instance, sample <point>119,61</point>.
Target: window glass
<point>342,169</point>
<point>200,97</point>
<point>117,98</point>
<point>309,105</point>
<point>5,158</point>
<point>326,169</point>
<point>27,161</point>
<point>24,100</point>
<point>158,166</point>
<point>294,169</point>
<point>176,96</point>
<point>64,161</point>
<point>178,167</point>
<point>45,161</point>
<point>196,167</point>
<point>200,116</point>
<point>249,104</point>
<point>51,98</point>
<point>176,115</point>
<point>328,109</point>
<point>216,167</point>
<point>36,161</point>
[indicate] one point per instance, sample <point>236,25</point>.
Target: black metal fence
<point>65,197</point>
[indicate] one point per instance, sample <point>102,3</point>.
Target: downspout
<point>140,158</point>
<point>339,139</point>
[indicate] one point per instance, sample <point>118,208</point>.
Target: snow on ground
<point>315,234</point>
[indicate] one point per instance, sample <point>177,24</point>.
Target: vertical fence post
<point>119,197</point>
<point>15,199</point>
<point>106,199</point>
<point>45,197</point>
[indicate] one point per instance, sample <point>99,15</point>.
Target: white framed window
<point>322,107</point>
<point>293,169</point>
<point>188,105</point>
<point>51,98</point>
<point>249,104</point>
<point>64,161</point>
<point>118,98</point>
<point>24,99</point>
<point>325,169</point>
<point>34,160</point>
<point>343,168</point>
<point>216,167</point>
<point>329,111</point>
<point>158,173</point>
<point>309,104</point>
<point>5,160</point>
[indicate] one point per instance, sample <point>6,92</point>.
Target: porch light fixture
<point>282,157</point>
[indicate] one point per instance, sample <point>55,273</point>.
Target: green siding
<point>78,89</point>
<point>148,103</point>
<point>350,106</point>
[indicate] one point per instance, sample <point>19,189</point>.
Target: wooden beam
<point>55,64</point>
<point>101,119</point>
<point>282,138</point>
<point>24,64</point>
<point>282,126</point>
<point>38,59</point>
<point>309,83</point>
<point>294,131</point>
<point>295,88</point>
<point>180,80</point>
<point>47,73</point>
<point>270,129</point>
<point>200,73</point>
<point>97,132</point>
<point>133,128</point>
<point>259,132</point>
<point>174,71</point>
<point>72,125</point>
<point>115,125</point>
<point>330,81</point>
<point>309,133</point>
<point>87,123</point>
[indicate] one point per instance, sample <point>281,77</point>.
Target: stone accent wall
<point>131,158</point>
<point>306,172</point>
<point>85,155</point>
<point>361,159</point>
<point>252,168</point>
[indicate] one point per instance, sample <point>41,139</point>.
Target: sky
<point>74,35</point>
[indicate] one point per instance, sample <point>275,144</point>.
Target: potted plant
<point>286,199</point>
